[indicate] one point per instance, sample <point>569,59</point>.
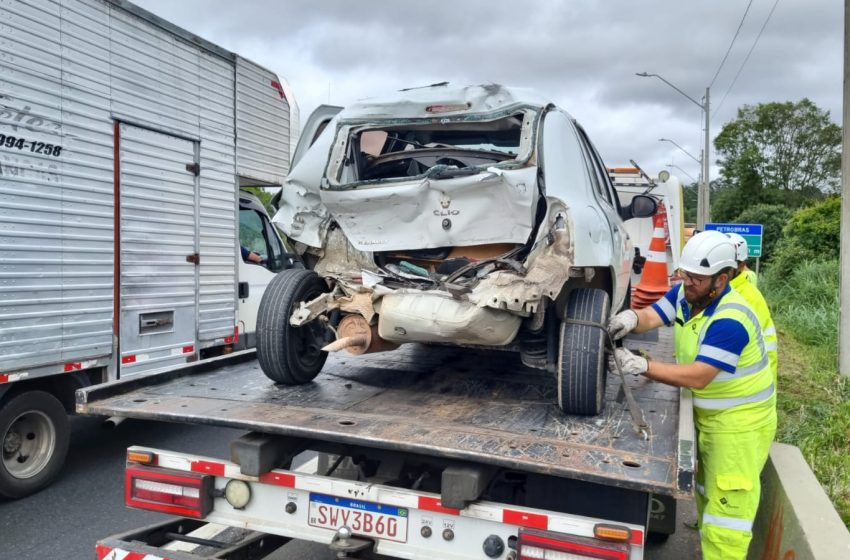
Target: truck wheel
<point>35,435</point>
<point>581,367</point>
<point>290,355</point>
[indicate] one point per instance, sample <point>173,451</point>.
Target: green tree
<point>689,201</point>
<point>726,204</point>
<point>773,218</point>
<point>812,234</point>
<point>783,153</point>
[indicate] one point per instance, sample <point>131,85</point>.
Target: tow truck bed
<point>459,403</point>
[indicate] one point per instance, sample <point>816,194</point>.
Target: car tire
<point>581,367</point>
<point>34,434</point>
<point>290,355</point>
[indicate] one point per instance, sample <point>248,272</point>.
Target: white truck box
<point>123,143</point>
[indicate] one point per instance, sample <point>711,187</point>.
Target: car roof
<point>443,99</point>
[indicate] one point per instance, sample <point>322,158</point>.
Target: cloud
<point>582,53</point>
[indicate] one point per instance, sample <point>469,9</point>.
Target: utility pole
<point>844,286</point>
<point>703,208</point>
<point>703,198</point>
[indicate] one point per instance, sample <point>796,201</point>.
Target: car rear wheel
<point>290,355</point>
<point>581,366</point>
<point>34,435</point>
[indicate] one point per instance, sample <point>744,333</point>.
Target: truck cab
<point>257,235</point>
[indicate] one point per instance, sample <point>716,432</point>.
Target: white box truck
<point>124,141</point>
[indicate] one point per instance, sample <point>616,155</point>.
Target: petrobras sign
<point>751,232</point>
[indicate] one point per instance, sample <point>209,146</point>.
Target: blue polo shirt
<point>724,339</point>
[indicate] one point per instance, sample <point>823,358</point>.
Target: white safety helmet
<point>741,252</point>
<point>707,253</point>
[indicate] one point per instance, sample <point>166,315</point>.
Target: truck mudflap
<point>186,539</point>
<point>350,515</point>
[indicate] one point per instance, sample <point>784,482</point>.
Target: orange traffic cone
<point>654,281</point>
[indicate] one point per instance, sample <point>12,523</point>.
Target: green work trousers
<point>728,489</point>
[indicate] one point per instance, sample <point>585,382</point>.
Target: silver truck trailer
<point>124,142</point>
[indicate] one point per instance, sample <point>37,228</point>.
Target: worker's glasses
<point>693,279</point>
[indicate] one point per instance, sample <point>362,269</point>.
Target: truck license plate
<point>363,518</point>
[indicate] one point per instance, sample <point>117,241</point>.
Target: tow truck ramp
<point>425,450</point>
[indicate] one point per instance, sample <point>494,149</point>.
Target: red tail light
<point>549,545</point>
<point>167,491</point>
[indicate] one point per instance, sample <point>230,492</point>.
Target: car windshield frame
<point>340,153</point>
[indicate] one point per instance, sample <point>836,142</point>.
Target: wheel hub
<point>28,444</point>
<point>12,442</point>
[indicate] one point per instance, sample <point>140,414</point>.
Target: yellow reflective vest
<point>732,402</point>
<point>744,286</point>
<point>751,277</point>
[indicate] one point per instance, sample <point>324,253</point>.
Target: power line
<point>725,56</point>
<point>752,48</point>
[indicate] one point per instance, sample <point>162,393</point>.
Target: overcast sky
<point>583,54</point>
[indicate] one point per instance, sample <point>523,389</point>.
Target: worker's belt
<point>731,402</point>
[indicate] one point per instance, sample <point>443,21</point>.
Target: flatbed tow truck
<point>434,452</point>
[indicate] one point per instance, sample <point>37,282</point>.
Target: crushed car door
<point>301,214</point>
<point>315,125</point>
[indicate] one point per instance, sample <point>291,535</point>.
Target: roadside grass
<point>814,414</point>
<point>813,399</point>
<point>805,301</point>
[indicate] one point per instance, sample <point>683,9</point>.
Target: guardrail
<point>796,519</point>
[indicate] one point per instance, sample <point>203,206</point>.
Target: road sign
<point>751,232</point>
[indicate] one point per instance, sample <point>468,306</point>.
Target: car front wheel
<point>290,355</point>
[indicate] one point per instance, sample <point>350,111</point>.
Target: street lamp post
<point>672,165</point>
<point>684,151</point>
<point>703,194</point>
<point>689,154</point>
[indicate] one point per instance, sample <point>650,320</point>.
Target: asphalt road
<point>86,503</point>
<point>65,520</point>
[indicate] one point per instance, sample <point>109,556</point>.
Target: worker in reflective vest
<point>722,357</point>
<point>743,272</point>
<point>744,283</point>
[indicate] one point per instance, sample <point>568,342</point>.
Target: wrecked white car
<point>477,216</point>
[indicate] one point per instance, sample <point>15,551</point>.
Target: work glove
<point>629,363</point>
<point>622,324</point>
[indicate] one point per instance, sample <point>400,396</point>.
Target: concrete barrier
<point>796,519</point>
